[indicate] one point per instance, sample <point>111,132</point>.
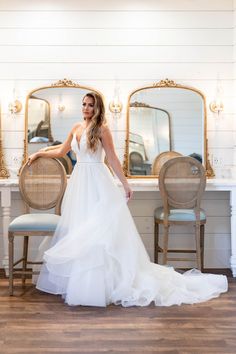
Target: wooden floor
<point>35,322</point>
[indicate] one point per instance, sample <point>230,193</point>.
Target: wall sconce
<point>15,106</point>
<point>61,107</point>
<point>115,106</point>
<point>217,106</point>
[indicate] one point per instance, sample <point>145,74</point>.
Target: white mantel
<point>7,186</point>
<point>145,184</point>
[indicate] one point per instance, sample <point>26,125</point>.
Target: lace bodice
<point>84,154</point>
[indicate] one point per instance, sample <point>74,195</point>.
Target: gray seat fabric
<point>179,214</point>
<point>34,222</point>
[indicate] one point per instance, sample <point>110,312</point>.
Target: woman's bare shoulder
<point>75,127</point>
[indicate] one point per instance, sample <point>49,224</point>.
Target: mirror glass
<point>164,119</point>
<point>51,112</point>
<point>149,136</point>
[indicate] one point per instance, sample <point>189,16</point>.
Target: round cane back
<point>182,181</point>
<point>135,158</point>
<point>42,184</point>
<point>161,159</point>
<point>67,164</point>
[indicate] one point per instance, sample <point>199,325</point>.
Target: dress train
<point>97,257</point>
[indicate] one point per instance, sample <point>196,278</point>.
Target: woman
<point>96,256</point>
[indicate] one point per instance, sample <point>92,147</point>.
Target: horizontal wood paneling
<point>124,5</point>
<point>103,71</point>
<point>215,225</point>
<point>144,37</point>
<point>146,207</point>
<point>112,19</point>
<point>187,241</point>
<point>13,140</point>
<point>221,139</point>
<point>137,43</point>
<point>114,53</point>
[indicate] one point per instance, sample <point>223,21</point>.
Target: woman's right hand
<point>32,158</point>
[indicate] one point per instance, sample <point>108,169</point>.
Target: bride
<point>96,256</point>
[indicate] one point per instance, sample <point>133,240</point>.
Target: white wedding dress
<point>97,257</point>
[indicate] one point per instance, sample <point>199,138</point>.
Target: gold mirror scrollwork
<point>163,96</point>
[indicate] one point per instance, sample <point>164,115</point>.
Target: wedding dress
<point>97,257</point>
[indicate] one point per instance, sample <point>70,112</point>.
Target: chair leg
<point>198,247</point>
<point>165,243</point>
<point>156,241</point>
<point>25,258</point>
<point>11,261</point>
<point>202,231</point>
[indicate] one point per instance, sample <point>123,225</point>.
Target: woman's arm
<point>54,151</point>
<point>51,147</point>
<point>113,160</point>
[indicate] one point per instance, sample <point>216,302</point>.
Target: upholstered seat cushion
<point>34,222</point>
<point>179,214</point>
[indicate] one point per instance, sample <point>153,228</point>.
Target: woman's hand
<point>128,192</point>
<point>32,158</point>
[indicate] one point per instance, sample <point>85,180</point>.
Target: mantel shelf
<point>150,184</point>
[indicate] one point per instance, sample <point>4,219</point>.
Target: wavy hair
<point>94,131</point>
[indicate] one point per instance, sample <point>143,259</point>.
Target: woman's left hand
<point>128,192</point>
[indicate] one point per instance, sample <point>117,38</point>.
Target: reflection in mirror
<point>164,117</point>
<point>149,135</point>
<point>51,112</point>
<point>39,129</point>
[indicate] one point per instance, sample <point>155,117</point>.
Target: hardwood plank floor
<point>35,322</point>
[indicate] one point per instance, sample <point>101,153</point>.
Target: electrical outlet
<point>16,160</point>
<point>217,161</point>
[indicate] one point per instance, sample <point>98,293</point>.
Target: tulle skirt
<point>96,256</point>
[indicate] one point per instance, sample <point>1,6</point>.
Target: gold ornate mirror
<point>3,170</point>
<point>164,117</point>
<point>50,114</point>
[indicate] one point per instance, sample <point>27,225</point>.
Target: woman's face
<point>88,107</point>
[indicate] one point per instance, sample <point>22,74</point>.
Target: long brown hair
<point>94,131</point>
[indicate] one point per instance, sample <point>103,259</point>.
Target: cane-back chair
<point>136,163</point>
<point>182,182</point>
<point>42,185</point>
<point>161,159</point>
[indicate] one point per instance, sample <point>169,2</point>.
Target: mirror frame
<point>166,84</point>
<point>66,83</point>
<point>3,170</point>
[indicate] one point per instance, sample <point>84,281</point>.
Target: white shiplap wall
<point>133,41</point>
<point>234,88</point>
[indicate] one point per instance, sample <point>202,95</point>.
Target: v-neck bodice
<point>81,136</point>
<point>83,154</point>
